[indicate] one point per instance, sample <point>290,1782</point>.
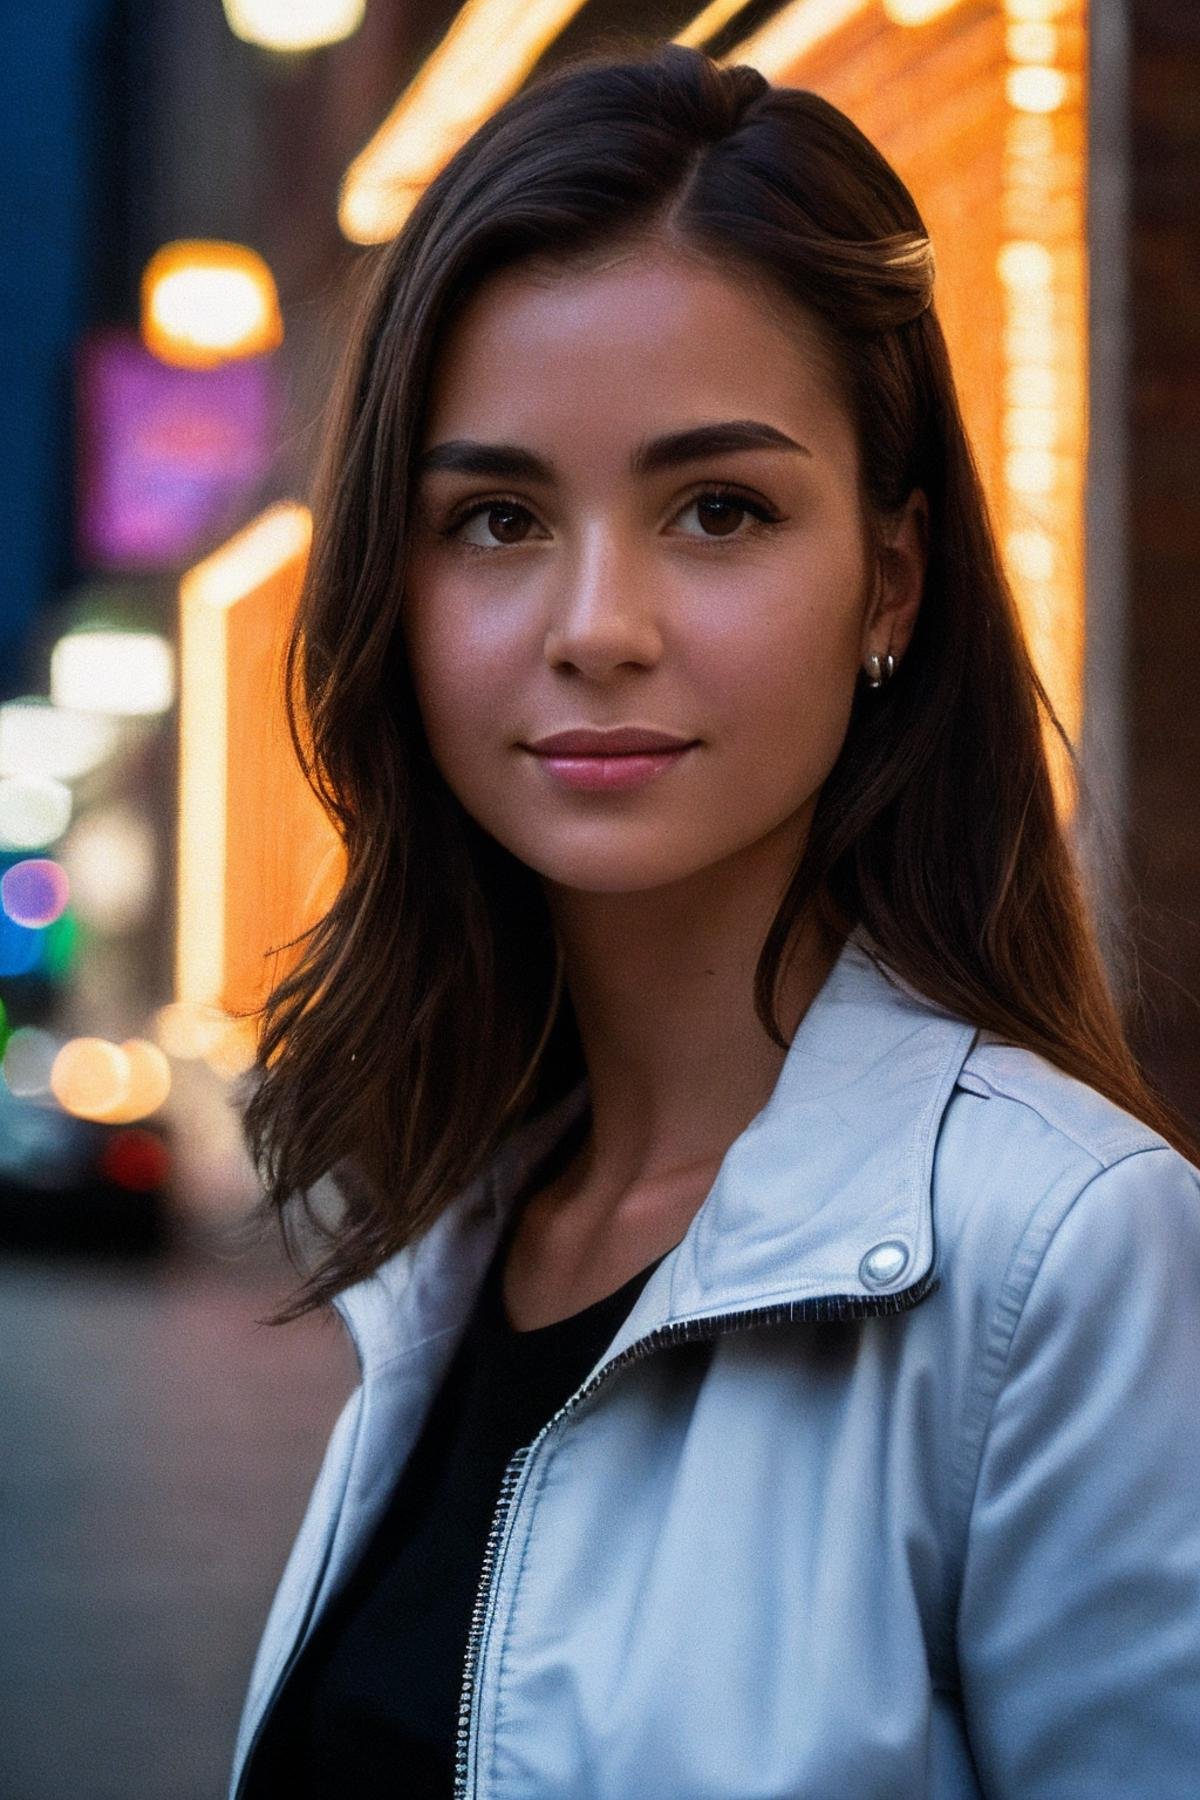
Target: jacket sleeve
<point>1079,1617</point>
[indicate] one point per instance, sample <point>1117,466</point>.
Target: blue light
<point>20,946</point>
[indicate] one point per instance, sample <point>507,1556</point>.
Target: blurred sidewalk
<point>157,1450</point>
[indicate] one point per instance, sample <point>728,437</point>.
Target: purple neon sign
<point>168,457</point>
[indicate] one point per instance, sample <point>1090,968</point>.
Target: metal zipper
<point>826,1306</point>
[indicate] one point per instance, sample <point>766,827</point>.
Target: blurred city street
<point>157,1451</point>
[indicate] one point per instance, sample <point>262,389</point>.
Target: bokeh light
<point>40,739</point>
<point>1032,554</point>
<point>111,1083</point>
<point>1036,90</point>
<point>28,1059</point>
<point>207,302</point>
<point>35,891</point>
<point>188,1031</point>
<point>35,810</point>
<point>1030,42</point>
<point>234,1050</point>
<point>137,1160</point>
<point>124,673</point>
<point>294,24</point>
<point>109,855</point>
<point>149,1081</point>
<point>20,947</point>
<point>1024,263</point>
<point>89,1077</point>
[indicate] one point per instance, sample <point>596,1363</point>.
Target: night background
<point>188,186</point>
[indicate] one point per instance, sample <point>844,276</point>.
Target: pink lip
<point>613,740</point>
<point>606,774</point>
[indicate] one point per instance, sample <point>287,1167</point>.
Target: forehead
<point>631,339</point>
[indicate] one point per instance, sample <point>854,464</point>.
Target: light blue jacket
<point>888,1488</point>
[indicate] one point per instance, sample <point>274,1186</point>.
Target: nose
<point>604,608</point>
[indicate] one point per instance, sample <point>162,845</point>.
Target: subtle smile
<point>608,761</point>
<point>629,769</point>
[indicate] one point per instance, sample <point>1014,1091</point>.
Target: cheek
<point>461,661</point>
<point>782,677</point>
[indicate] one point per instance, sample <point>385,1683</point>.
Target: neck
<point>662,984</point>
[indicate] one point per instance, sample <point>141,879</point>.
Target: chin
<point>610,867</point>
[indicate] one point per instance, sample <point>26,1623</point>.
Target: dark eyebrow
<point>510,462</point>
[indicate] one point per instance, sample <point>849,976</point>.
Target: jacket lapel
<point>825,1195</point>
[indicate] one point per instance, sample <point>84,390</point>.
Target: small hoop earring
<point>880,669</point>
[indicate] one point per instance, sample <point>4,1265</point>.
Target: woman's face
<point>570,567</point>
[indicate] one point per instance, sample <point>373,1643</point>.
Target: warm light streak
<point>1037,11</point>
<point>917,12</point>
<point>1031,427</point>
<point>706,24</point>
<point>203,760</point>
<point>1026,384</point>
<point>210,595</point>
<point>1040,268</point>
<point>294,24</point>
<point>484,57</point>
<point>792,33</point>
<point>206,302</point>
<point>1031,471</point>
<point>257,553</point>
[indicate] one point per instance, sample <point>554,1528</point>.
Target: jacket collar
<point>823,1202</point>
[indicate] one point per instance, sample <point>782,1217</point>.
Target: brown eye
<point>721,512</point>
<point>505,522</point>
<point>723,515</point>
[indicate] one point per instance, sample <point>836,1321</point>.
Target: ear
<point>900,581</point>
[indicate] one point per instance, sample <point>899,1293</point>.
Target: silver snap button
<point>883,1263</point>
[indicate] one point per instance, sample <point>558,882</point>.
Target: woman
<point>777,1293</point>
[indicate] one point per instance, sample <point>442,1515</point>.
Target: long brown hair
<point>425,1017</point>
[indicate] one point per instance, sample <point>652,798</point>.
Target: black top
<point>371,1706</point>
